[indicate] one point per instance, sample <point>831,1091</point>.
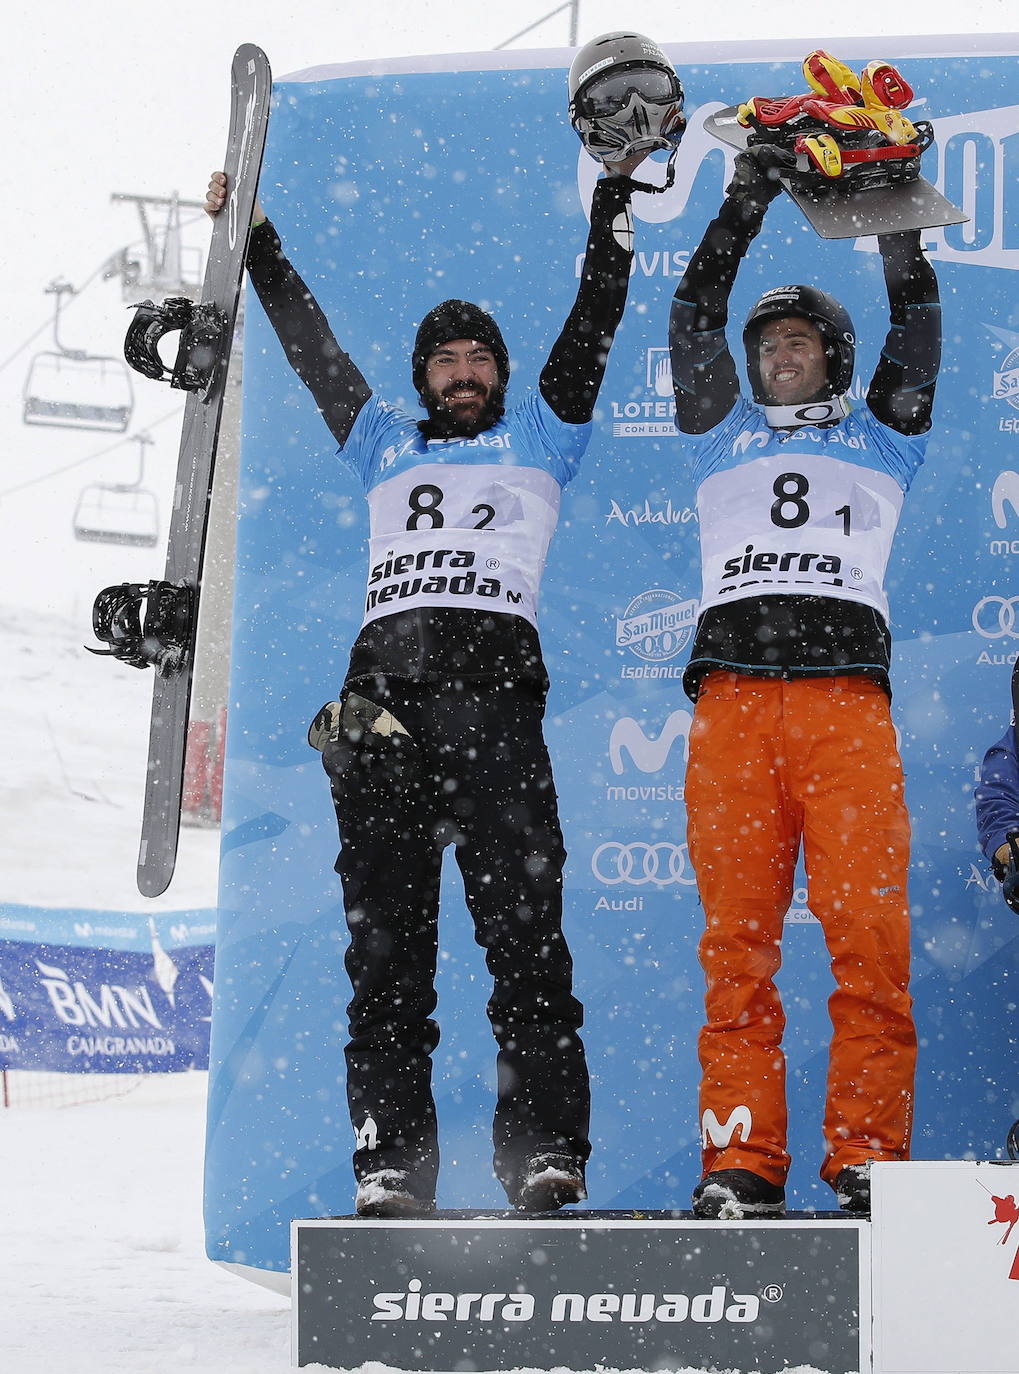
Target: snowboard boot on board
<point>550,1181</point>
<point>852,1188</point>
<point>737,1194</point>
<point>386,1194</point>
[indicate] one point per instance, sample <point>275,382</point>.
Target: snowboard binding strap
<point>202,336</point>
<point>160,640</point>
<point>845,126</point>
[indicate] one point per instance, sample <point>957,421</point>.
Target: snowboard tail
<point>164,636</point>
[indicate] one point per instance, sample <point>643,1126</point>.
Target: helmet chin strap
<point>827,411</point>
<point>670,177</point>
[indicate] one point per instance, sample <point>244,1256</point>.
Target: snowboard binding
<point>848,128</point>
<point>161,640</point>
<point>203,333</point>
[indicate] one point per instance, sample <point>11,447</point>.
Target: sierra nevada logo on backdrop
<point>655,627</point>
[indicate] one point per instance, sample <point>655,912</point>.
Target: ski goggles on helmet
<point>639,109</point>
<point>610,94</point>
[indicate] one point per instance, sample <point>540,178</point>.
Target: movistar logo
<point>721,1133</point>
<point>649,754</point>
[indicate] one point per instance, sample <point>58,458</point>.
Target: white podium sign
<point>946,1268</point>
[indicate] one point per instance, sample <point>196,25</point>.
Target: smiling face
<point>793,362</point>
<point>461,378</point>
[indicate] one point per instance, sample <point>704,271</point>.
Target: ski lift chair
<point>107,513</point>
<point>78,391</point>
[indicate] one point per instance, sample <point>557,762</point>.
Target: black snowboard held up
<point>163,637</point>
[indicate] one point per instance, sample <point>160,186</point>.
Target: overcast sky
<point>111,95</point>
<point>105,95</point>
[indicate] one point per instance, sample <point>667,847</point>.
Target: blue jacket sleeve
<point>997,793</point>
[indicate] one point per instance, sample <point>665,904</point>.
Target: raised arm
<point>572,377</point>
<point>332,378</point>
<point>901,393</point>
<point>703,372</point>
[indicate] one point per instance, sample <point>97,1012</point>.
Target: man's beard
<point>446,423</point>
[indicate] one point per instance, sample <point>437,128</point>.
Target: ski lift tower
<point>168,267</point>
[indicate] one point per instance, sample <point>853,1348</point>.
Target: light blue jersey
<point>462,522</point>
<point>811,511</point>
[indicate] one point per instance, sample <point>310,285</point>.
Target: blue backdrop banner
<point>392,188</point>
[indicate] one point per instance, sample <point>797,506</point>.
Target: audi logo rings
<point>1000,613</point>
<point>638,863</point>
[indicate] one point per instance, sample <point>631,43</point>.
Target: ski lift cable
<point>48,323</point>
<point>90,457</point>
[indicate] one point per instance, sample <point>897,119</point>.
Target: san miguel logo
<point>1006,1213</point>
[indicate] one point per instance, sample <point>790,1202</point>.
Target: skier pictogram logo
<point>1006,1213</point>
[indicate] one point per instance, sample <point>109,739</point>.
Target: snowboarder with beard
<point>437,736</point>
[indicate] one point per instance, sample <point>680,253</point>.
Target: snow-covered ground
<point>102,1262</point>
<point>75,741</point>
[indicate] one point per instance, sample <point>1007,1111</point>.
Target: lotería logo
<point>994,617</point>
<point>649,754</point>
<point>654,415</point>
<point>640,863</point>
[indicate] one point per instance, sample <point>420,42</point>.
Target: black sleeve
<point>901,393</point>
<point>335,382</point>
<point>703,372</point>
<point>571,378</point>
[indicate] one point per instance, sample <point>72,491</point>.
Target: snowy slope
<point>102,1265</point>
<point>102,1258</point>
<point>75,742</point>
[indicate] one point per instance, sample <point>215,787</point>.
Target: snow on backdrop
<point>102,1227</point>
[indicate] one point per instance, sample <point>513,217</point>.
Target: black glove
<point>758,168</point>
<point>1008,874</point>
<point>1010,887</point>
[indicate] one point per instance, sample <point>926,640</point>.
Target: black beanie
<point>456,320</point>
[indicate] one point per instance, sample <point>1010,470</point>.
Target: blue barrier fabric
<point>105,992</point>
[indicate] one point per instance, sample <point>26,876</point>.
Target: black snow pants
<point>472,770</point>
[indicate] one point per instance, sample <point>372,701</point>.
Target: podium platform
<point>465,1290</point>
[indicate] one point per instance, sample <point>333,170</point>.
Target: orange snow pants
<point>775,763</point>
